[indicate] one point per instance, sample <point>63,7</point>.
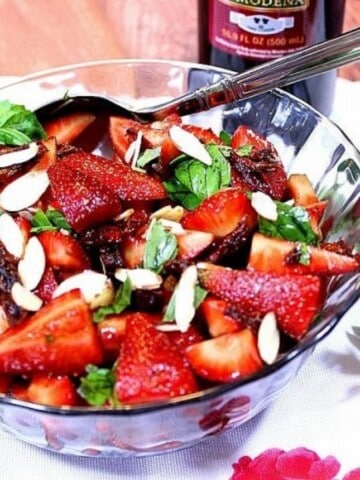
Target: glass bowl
<point>308,143</point>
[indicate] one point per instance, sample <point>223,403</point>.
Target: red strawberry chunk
<point>274,255</point>
<point>221,213</point>
<point>213,310</point>
<point>225,358</point>
<point>120,179</point>
<point>244,135</point>
<point>60,338</point>
<point>294,299</point>
<point>47,285</point>
<point>63,252</point>
<point>55,391</point>
<point>205,135</point>
<point>68,127</point>
<point>150,366</point>
<point>83,199</point>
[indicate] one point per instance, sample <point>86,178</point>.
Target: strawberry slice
<point>47,285</point>
<point>132,249</point>
<point>111,332</point>
<point>67,128</point>
<point>225,358</point>
<point>120,179</point>
<point>192,243</point>
<point>294,299</point>
<point>124,131</point>
<point>56,391</point>
<point>301,190</point>
<point>183,340</point>
<point>60,338</point>
<point>25,227</point>
<point>205,135</point>
<point>274,255</point>
<point>150,366</point>
<point>316,212</point>
<point>63,252</point>
<point>83,199</point>
<point>213,310</point>
<point>245,135</point>
<point>221,213</point>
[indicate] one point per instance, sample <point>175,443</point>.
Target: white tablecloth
<point>320,410</point>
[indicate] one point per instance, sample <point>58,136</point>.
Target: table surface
<point>38,34</point>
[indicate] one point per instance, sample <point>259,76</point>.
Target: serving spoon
<point>280,72</point>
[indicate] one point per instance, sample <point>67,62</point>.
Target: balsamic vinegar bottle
<point>239,34</point>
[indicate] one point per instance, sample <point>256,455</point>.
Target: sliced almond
<point>11,235</point>
<point>184,298</point>
<point>268,338</point>
<point>32,267</point>
<point>19,156</point>
<point>124,215</point>
<point>264,206</point>
<point>24,191</point>
<point>24,298</point>
<point>174,227</point>
<point>187,143</point>
<point>168,212</point>
<point>95,287</point>
<point>168,327</point>
<point>140,278</point>
<point>133,152</point>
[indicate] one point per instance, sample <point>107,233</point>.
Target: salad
<point>180,260</point>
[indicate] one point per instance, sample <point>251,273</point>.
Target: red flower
<point>296,464</point>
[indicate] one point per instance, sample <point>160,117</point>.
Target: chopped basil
<point>169,315</point>
<point>148,156</point>
<point>18,125</point>
<point>193,181</point>
<point>97,387</point>
<point>244,151</point>
<point>225,137</point>
<point>304,254</point>
<point>293,223</point>
<point>161,246</point>
<point>121,301</point>
<point>51,220</point>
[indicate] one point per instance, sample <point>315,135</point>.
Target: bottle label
<point>261,29</point>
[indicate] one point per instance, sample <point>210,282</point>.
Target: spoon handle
<point>282,71</point>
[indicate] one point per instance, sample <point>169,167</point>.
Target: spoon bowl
<point>280,72</point>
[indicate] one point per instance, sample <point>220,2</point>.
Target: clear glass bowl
<point>308,143</point>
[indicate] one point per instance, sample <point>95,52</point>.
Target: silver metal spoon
<point>283,71</point>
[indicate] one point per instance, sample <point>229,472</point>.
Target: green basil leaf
<point>148,156</point>
<point>305,256</point>
<point>97,387</point>
<point>193,181</point>
<point>161,246</point>
<point>225,137</point>
<point>182,195</point>
<point>121,301</point>
<point>244,150</point>
<point>51,220</point>
<point>200,295</point>
<point>293,223</point>
<point>18,125</point>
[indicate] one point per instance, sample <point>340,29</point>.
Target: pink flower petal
<point>325,469</point>
<point>296,463</point>
<point>353,475</point>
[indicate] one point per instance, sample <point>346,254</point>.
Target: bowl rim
<point>214,391</point>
